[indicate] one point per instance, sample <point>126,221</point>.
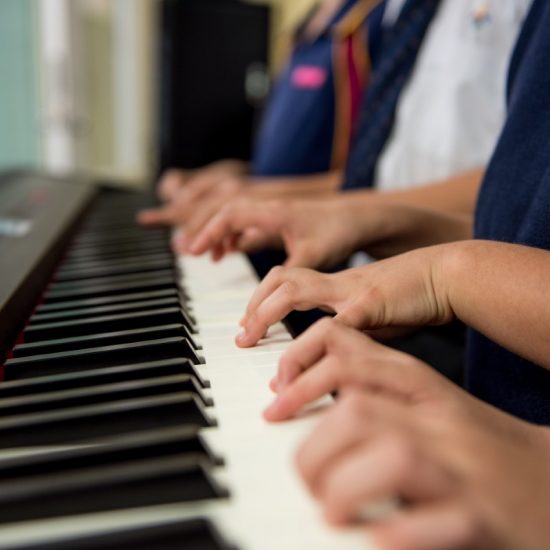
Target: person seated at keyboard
<point>410,456</point>
<point>452,139</point>
<point>308,121</point>
<point>447,120</point>
<point>493,284</point>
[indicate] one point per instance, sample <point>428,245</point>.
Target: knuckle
<point>372,294</point>
<point>332,330</point>
<point>276,272</point>
<point>285,364</point>
<point>305,253</point>
<point>255,319</point>
<point>373,301</point>
<point>326,325</point>
<point>289,289</point>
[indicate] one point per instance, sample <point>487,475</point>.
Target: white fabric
<point>452,110</point>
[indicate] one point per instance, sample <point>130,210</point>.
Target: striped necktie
<point>392,70</point>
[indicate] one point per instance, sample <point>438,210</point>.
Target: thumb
<point>367,312</point>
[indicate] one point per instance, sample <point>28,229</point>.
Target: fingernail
<point>274,384</point>
<point>193,247</point>
<point>269,412</point>
<point>242,337</point>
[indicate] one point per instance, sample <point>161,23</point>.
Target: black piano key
<point>104,339</point>
<point>108,223</point>
<point>131,229</point>
<point>169,480</point>
<point>96,263</point>
<point>102,394</point>
<point>133,245</point>
<point>141,266</point>
<point>78,305</point>
<point>16,387</point>
<point>89,254</point>
<point>81,424</point>
<point>113,223</point>
<point>123,449</point>
<point>84,283</point>
<point>102,238</point>
<point>170,301</point>
<point>102,356</point>
<point>194,534</point>
<point>142,284</point>
<point>127,249</point>
<point>108,323</point>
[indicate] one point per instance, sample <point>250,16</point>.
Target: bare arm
<point>387,228</point>
<point>456,195</point>
<point>314,185</point>
<point>501,290</point>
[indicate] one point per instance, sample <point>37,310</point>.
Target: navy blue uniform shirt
<point>514,207</point>
<point>309,116</point>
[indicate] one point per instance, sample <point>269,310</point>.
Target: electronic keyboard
<point>128,417</point>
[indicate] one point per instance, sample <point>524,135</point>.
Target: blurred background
<point>124,88</point>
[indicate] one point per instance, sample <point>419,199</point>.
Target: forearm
<point>387,229</point>
<point>501,290</point>
<point>454,195</point>
<point>315,185</point>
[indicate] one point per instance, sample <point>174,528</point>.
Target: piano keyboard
<point>128,417</point>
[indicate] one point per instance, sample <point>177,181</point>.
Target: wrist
<point>455,265</point>
<point>376,222</point>
<point>353,212</point>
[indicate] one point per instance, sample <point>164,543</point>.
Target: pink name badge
<point>309,77</point>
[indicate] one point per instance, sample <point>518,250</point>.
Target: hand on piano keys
<point>128,417</point>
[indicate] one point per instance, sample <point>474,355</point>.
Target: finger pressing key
<point>283,291</point>
<point>274,308</point>
<point>212,235</point>
<point>309,387</point>
<point>157,216</point>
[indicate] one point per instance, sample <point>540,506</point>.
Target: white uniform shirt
<point>453,108</point>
